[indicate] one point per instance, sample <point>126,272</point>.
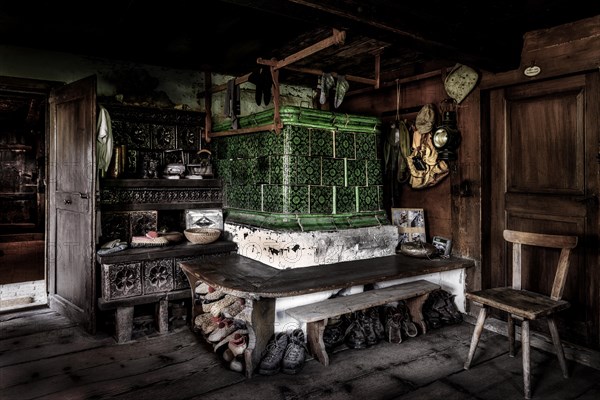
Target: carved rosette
<point>121,280</point>
<point>158,276</point>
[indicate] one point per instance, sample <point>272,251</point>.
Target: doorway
<point>23,155</point>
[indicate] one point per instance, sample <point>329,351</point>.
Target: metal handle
<point>83,195</point>
<point>67,201</point>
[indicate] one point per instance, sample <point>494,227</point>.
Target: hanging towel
<point>104,145</point>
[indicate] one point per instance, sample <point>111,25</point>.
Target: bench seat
<point>316,314</point>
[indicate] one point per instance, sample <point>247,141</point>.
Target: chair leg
<point>558,346</point>
<point>526,358</point>
<point>511,336</point>
<point>476,335</point>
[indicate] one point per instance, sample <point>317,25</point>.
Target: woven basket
<point>202,235</point>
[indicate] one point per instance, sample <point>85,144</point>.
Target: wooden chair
<point>526,305</point>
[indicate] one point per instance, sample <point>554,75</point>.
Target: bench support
<point>415,307</point>
<point>124,324</point>
<point>314,333</point>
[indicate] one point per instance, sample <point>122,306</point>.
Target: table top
<point>245,277</point>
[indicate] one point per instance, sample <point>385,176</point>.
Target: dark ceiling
<point>228,36</point>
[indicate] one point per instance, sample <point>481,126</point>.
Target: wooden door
<point>544,178</point>
<point>71,183</point>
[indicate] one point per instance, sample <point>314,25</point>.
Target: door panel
<point>545,179</point>
<point>72,179</point>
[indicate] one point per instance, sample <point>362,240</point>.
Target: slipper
<point>267,83</point>
<point>255,77</point>
<point>340,90</point>
<point>327,82</point>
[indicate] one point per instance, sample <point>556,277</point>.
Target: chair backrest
<point>566,243</point>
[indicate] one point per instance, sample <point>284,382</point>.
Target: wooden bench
<point>316,314</point>
<point>261,285</point>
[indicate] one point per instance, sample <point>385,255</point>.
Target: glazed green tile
<point>261,141</point>
<point>374,172</point>
<point>344,145</point>
<point>273,143</point>
<point>321,199</point>
<point>273,198</point>
<point>297,199</point>
<point>345,199</point>
<point>243,145</point>
<point>223,170</point>
<point>230,197</point>
<point>276,169</point>
<point>333,172</point>
<point>308,171</point>
<point>252,171</point>
<point>251,142</point>
<point>321,142</point>
<point>356,173</point>
<point>262,170</point>
<point>366,146</point>
<point>239,171</point>
<point>296,140</point>
<point>368,198</point>
<point>253,197</point>
<point>290,170</point>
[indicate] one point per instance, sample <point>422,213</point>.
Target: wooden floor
<point>44,356</point>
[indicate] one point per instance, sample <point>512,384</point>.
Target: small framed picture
<point>410,223</point>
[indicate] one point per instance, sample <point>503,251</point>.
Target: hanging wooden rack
<point>337,37</point>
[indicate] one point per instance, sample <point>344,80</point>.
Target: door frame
<point>38,88</point>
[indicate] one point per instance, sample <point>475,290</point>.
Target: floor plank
<point>55,360</point>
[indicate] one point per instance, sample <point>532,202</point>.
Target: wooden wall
<point>453,207</point>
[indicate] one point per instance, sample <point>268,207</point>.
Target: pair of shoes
<point>378,328</point>
<point>202,288</point>
<point>218,306</point>
<point>209,324</point>
<point>354,336</point>
<point>341,88</point>
<point>263,81</point>
<point>439,309</point>
<point>295,353</point>
<point>409,327</point>
<point>271,361</point>
<point>233,309</point>
<point>393,324</point>
<point>367,326</point>
<point>238,335</point>
<point>333,334</point>
<point>225,327</point>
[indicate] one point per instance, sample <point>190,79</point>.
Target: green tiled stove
<point>322,172</point>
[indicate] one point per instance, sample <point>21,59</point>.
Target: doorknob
<point>67,201</point>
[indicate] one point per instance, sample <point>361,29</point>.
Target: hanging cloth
<point>104,145</point>
<point>232,103</point>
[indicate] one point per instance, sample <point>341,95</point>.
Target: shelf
<point>184,249</point>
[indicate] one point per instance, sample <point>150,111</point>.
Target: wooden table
<point>261,284</point>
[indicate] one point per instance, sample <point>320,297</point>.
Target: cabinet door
<point>71,194</point>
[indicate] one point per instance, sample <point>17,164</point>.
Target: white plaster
<point>452,281</point>
<point>284,250</point>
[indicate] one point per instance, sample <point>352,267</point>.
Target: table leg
<point>260,331</point>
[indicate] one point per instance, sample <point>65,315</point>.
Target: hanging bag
<point>425,168</point>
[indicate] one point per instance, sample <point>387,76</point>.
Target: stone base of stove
<point>283,250</point>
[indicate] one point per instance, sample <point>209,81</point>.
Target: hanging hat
<point>460,82</point>
<point>425,119</point>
